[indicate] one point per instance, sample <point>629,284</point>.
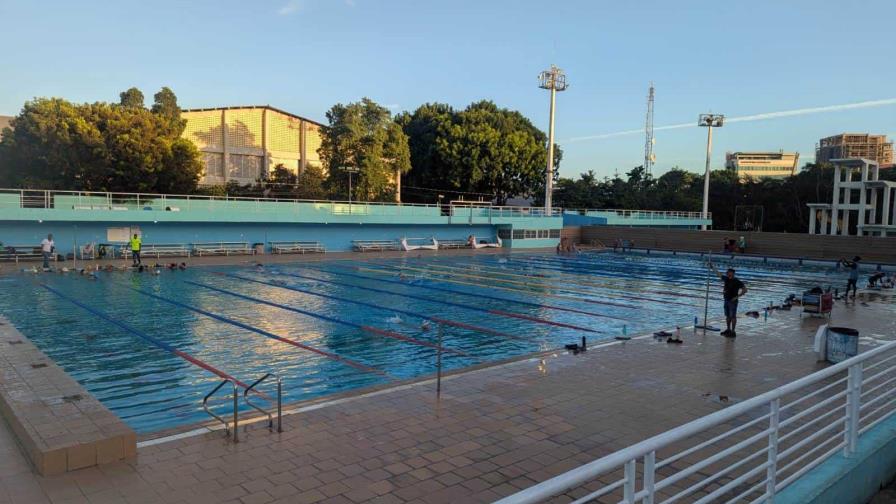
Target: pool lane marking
<point>273,336</point>
<point>517,289</point>
<point>615,291</point>
<point>161,344</point>
<point>443,289</point>
<point>391,390</point>
<point>375,330</point>
<point>453,323</point>
<point>449,303</point>
<point>763,278</point>
<point>516,272</point>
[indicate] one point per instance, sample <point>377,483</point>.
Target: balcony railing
<point>639,214</point>
<point>744,453</point>
<point>107,201</point>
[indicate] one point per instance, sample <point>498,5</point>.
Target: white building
<point>868,202</point>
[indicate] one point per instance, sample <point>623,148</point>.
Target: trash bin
<point>842,343</point>
<point>259,248</point>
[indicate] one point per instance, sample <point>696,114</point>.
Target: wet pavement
<point>494,431</point>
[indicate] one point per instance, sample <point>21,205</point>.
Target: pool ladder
<point>232,428</point>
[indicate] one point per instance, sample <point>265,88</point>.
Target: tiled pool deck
<point>494,431</point>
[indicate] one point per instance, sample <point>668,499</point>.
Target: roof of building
<point>275,109</point>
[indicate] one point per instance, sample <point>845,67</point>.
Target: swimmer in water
<point>425,326</point>
<point>182,266</point>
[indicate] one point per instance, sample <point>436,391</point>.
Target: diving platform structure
<point>868,202</point>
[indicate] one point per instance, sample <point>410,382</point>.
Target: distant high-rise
<point>855,145</point>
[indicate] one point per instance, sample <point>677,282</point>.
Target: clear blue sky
<point>736,58</point>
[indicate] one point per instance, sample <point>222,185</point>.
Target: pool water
<point>138,342</point>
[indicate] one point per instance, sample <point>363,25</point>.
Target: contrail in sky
<point>754,117</point>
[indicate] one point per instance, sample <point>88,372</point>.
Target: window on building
<point>244,167</point>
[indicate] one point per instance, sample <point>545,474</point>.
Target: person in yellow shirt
<point>135,249</point>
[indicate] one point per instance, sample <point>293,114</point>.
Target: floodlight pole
<point>553,80</point>
<point>708,121</point>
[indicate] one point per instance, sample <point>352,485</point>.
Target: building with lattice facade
<point>855,145</point>
<point>243,144</point>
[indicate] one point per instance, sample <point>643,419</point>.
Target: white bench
<point>21,252</point>
<point>375,245</point>
<point>221,248</point>
<point>159,249</point>
<point>453,244</point>
<point>296,247</point>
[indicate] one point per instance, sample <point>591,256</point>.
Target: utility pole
<point>553,80</point>
<point>649,156</point>
<point>708,121</point>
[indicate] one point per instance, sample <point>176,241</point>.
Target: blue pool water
<point>356,323</point>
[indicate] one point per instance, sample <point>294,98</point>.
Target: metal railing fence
<point>744,453</point>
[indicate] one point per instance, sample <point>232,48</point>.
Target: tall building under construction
<point>855,145</point>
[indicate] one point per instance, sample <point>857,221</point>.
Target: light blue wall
<point>849,480</point>
<point>182,220</point>
<point>334,237</point>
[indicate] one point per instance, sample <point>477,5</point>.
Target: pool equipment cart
<point>817,303</point>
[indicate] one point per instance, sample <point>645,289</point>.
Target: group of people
<point>730,245</point>
<point>135,244</point>
<point>877,280</point>
<point>567,246</point>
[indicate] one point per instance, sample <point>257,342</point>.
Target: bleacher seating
<point>20,253</point>
<point>297,247</point>
<point>453,244</point>
<point>222,248</point>
<point>375,245</point>
<point>159,249</point>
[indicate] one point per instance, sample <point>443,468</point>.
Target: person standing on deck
<point>731,292</point>
<point>853,267</point>
<point>47,245</point>
<point>135,249</point>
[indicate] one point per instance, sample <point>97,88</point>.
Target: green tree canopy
<point>132,98</point>
<point>783,201</point>
<point>483,148</point>
<point>362,135</point>
<point>57,144</point>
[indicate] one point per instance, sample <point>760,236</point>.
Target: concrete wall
<point>849,480</point>
<point>774,244</point>
<point>335,237</point>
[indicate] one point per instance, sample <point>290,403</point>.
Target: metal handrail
<point>846,427</point>
<point>264,411</point>
<point>640,214</point>
<point>236,396</point>
<point>43,198</point>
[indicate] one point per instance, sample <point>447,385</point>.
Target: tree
<point>363,135</point>
<point>165,106</point>
<point>132,98</point>
<point>482,148</point>
<point>56,144</point>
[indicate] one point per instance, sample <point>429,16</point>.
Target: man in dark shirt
<point>732,291</point>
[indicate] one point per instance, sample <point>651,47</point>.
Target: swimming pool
<point>148,346</point>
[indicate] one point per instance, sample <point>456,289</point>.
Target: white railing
<point>87,200</point>
<point>744,453</point>
<point>641,214</point>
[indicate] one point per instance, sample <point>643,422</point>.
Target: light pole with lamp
<point>553,80</point>
<point>708,121</point>
<point>350,170</point>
